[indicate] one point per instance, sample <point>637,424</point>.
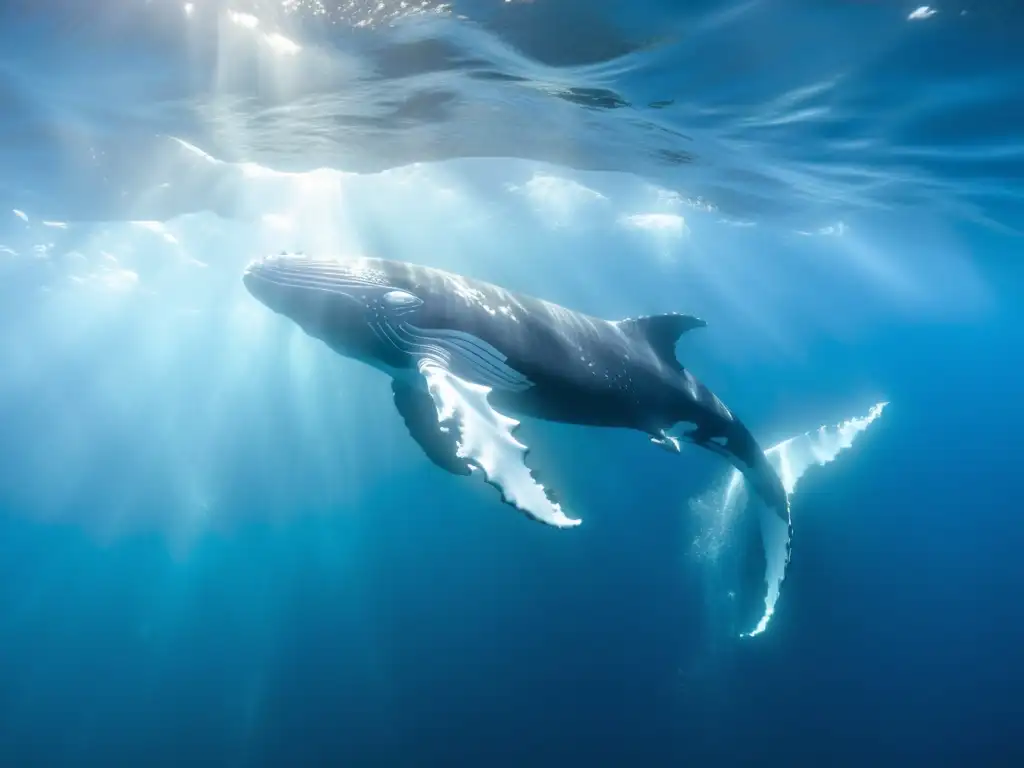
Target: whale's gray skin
<point>537,358</point>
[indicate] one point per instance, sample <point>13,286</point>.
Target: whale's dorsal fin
<point>662,332</point>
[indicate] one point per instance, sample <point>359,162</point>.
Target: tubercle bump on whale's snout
<point>270,260</point>
<point>251,277</point>
<point>261,269</point>
<point>259,279</point>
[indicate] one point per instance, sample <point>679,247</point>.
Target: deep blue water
<point>218,546</point>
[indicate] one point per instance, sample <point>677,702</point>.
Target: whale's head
<point>352,305</point>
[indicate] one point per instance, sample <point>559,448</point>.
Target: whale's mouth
<point>303,273</point>
<point>252,277</point>
<point>272,289</point>
<point>308,290</point>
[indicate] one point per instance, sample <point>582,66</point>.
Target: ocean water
<point>218,544</point>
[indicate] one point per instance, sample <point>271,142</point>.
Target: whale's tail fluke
<point>727,514</point>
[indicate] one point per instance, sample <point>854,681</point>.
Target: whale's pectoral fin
<point>485,441</point>
<point>439,442</point>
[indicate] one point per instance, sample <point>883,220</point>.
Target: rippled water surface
<point>807,111</point>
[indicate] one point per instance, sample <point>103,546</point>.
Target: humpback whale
<point>467,358</point>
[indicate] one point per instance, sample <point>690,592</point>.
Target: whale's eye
<point>401,300</point>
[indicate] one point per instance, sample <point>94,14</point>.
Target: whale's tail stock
<point>733,521</point>
<point>715,428</point>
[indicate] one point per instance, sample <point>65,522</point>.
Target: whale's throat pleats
<point>463,354</point>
